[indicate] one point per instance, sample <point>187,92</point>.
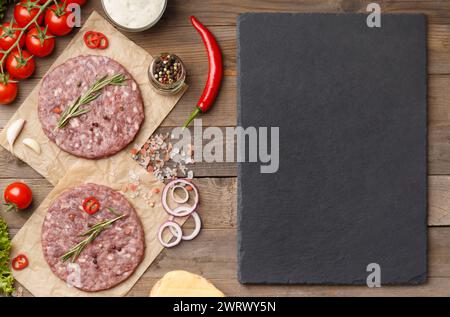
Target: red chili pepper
<point>91,205</point>
<point>20,262</point>
<point>215,73</point>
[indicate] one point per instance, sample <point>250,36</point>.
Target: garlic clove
<point>32,144</point>
<point>13,132</point>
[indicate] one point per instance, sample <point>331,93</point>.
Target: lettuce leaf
<point>6,278</point>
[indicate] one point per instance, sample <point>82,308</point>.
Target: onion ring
<point>188,210</point>
<point>176,227</point>
<point>195,233</point>
<point>182,201</point>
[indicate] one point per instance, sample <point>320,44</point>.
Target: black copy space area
<point>350,103</point>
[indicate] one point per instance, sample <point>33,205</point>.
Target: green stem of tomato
<point>11,207</point>
<point>22,32</point>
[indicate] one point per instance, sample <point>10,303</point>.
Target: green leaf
<point>6,278</point>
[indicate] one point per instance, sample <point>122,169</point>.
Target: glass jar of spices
<point>167,73</point>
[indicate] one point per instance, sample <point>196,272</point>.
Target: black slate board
<point>350,103</point>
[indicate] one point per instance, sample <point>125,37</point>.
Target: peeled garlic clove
<point>13,132</point>
<point>32,144</point>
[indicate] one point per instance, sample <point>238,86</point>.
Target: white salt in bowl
<point>129,20</point>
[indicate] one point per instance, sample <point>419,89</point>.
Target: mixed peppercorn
<point>167,69</point>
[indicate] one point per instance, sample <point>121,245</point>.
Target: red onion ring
<point>188,210</point>
<point>178,235</point>
<point>198,225</point>
<point>181,201</point>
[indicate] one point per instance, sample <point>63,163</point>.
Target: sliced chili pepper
<point>215,74</point>
<point>94,40</point>
<point>104,43</point>
<point>91,39</point>
<point>20,262</point>
<point>91,205</point>
<point>57,110</point>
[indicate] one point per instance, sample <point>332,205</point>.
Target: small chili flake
<point>134,151</point>
<point>156,190</point>
<point>57,110</point>
<point>133,187</point>
<point>189,188</point>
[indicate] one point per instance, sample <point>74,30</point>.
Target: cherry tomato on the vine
<point>9,34</point>
<point>40,42</point>
<point>18,196</point>
<point>8,89</point>
<point>80,2</point>
<point>25,11</point>
<point>21,64</point>
<point>56,18</point>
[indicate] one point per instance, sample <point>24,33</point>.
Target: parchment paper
<point>38,278</point>
<point>66,171</point>
<point>53,163</point>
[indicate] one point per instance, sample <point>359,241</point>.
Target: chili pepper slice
<point>104,43</point>
<point>215,73</point>
<point>91,205</point>
<point>94,40</point>
<point>20,262</point>
<point>91,39</point>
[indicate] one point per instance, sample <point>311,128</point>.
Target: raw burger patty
<point>114,119</point>
<point>111,258</point>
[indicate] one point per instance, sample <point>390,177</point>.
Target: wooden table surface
<point>213,253</point>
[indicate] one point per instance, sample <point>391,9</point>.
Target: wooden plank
<point>213,255</point>
<point>185,42</point>
<point>222,114</point>
<point>218,202</point>
<point>225,12</point>
<point>439,200</point>
<point>436,286</point>
<point>438,49</point>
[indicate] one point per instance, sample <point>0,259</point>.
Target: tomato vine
<point>23,31</point>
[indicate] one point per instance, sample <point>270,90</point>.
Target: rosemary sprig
<point>91,234</point>
<point>93,93</point>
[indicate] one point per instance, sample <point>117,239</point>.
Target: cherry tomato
<point>25,11</point>
<point>20,65</point>
<point>18,196</point>
<point>80,2</point>
<point>8,90</point>
<point>9,35</point>
<point>56,19</point>
<point>40,42</point>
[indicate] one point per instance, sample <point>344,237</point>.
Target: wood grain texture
<point>218,201</point>
<point>216,248</point>
<point>213,254</point>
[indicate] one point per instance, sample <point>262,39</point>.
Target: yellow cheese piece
<point>184,284</point>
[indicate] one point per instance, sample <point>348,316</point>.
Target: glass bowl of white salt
<point>134,15</point>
